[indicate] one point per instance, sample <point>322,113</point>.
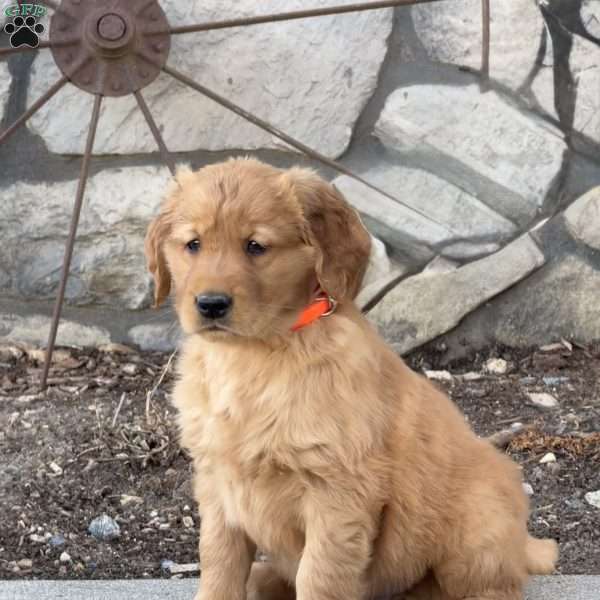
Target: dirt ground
<point>103,441</point>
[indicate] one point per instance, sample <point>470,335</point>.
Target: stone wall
<point>508,171</point>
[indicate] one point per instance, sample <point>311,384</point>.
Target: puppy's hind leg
<point>265,583</point>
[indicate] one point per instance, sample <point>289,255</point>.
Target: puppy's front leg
<point>336,555</point>
<point>226,555</point>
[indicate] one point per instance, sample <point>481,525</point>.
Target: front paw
<point>205,594</point>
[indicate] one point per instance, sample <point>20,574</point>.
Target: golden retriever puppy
<point>310,438</point>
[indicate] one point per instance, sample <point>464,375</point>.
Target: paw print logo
<point>24,32</point>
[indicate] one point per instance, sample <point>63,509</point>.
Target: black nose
<point>213,306</point>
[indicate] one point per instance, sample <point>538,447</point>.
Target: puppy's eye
<point>254,248</point>
<point>193,246</point>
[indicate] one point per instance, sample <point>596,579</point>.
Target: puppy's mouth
<point>217,328</point>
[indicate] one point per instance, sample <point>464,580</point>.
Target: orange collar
<point>322,306</point>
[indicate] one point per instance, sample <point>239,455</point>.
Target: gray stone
<point>451,33</point>
<point>108,264</point>
<point>590,15</point>
<point>381,273</point>
<point>558,301</point>
<point>310,77</point>
<point>461,217</point>
<point>583,218</point>
<point>469,250</point>
<point>104,528</point>
<point>584,62</point>
<point>440,265</point>
<point>449,131</point>
<point>161,337</point>
<point>428,305</point>
<point>34,329</point>
<point>5,81</point>
<point>379,263</point>
<point>370,294</point>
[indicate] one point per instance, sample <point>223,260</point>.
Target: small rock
<point>439,375</point>
<point>529,380</point>
<point>56,541</point>
<point>548,458</point>
<point>130,369</point>
<point>65,557</point>
<point>496,366</point>
<point>552,348</point>
<point>28,398</point>
<point>543,400</point>
<point>104,528</point>
<point>187,521</point>
<point>472,376</point>
<point>176,569</point>
<point>528,489</point>
<point>56,469</point>
<point>39,539</point>
<point>553,468</point>
<point>25,563</point>
<point>129,500</point>
<point>593,498</point>
<point>164,527</point>
<point>166,565</point>
<point>553,381</point>
<point>187,508</point>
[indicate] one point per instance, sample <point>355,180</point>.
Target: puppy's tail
<point>542,556</point>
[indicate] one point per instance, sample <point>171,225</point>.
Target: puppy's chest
<point>264,500</point>
<point>264,446</point>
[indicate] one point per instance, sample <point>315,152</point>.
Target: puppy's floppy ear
<point>155,257</point>
<point>335,228</point>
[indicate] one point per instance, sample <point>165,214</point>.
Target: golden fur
<point>354,474</point>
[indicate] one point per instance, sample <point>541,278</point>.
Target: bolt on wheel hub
<point>110,47</point>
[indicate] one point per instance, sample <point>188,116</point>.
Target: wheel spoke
<point>8,51</point>
<point>293,15</point>
<point>485,45</point>
<point>289,140</point>
<point>164,152</point>
<point>41,46</point>
<point>33,108</point>
<point>83,177</point>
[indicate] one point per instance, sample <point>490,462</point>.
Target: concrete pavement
<point>541,588</point>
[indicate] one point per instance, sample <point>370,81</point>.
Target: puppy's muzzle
<point>213,305</point>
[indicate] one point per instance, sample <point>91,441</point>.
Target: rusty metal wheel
<point>112,48</point>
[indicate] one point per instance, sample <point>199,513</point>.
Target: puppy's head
<point>245,246</point>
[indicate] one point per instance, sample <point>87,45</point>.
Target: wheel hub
<point>110,47</point>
